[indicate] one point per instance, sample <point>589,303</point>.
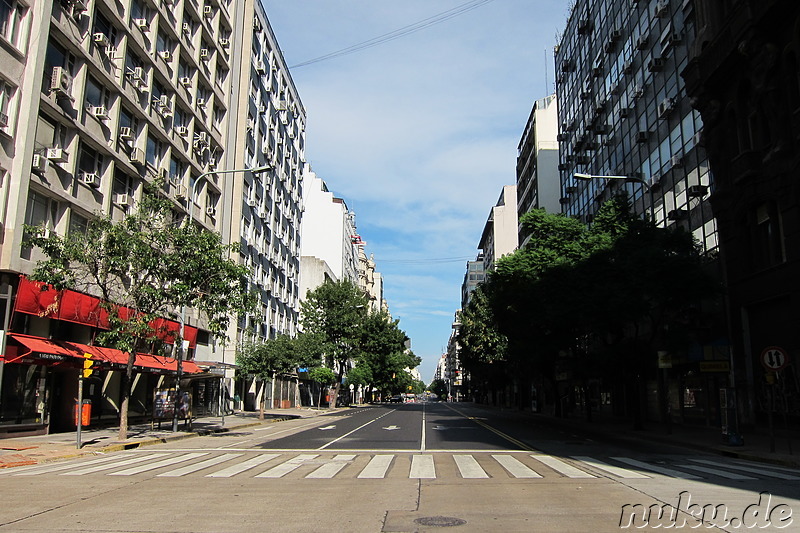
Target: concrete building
<point>474,276</point>
<point>500,233</point>
<point>265,208</point>
<point>99,99</point>
<point>744,77</point>
<point>538,180</point>
<point>329,231</point>
<point>623,111</point>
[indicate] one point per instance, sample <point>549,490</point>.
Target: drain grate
<point>440,521</point>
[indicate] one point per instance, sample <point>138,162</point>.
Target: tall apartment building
<point>265,206</point>
<point>99,98</point>
<point>744,77</point>
<point>329,232</point>
<point>538,183</point>
<point>500,234</point>
<point>623,111</point>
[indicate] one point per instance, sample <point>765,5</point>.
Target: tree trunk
<point>334,395</point>
<point>127,382</point>
<point>263,402</point>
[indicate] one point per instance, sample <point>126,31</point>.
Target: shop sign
<point>715,366</point>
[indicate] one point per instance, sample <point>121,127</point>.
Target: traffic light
<point>87,365</point>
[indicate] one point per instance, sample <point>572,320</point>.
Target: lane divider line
<point>334,441</point>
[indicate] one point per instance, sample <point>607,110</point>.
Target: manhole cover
<point>440,521</point>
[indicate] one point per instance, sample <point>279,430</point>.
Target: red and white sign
<point>774,358</point>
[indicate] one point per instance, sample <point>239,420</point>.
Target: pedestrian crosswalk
<point>222,464</point>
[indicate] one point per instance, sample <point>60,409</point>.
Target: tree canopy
<point>151,265</point>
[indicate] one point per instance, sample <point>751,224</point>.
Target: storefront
<point>41,362</point>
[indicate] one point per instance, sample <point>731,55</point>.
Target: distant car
<point>397,398</point>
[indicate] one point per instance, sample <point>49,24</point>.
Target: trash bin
<point>86,413</point>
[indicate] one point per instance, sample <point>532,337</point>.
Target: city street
<point>397,468</point>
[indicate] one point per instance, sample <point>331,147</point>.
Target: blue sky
<point>419,134</point>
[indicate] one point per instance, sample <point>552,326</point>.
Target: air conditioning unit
<point>625,112</point>
<point>661,8</point>
<point>180,191</point>
<point>265,149</point>
<point>212,162</point>
<point>223,42</point>
<point>101,39</point>
<point>137,156</point>
<point>39,163</point>
<point>641,42</point>
<point>100,112</point>
<point>3,120</point>
<point>161,101</point>
<point>183,131</point>
<point>676,161</point>
<point>166,55</point>
<point>201,102</point>
<point>201,138</point>
<point>697,191</point>
<point>142,24</point>
<point>211,211</point>
<point>187,28</point>
<point>656,64</point>
<point>121,199</point>
<point>57,155</point>
<point>664,107</point>
<point>262,108</point>
<point>251,202</point>
<point>642,136</point>
<point>678,214</point>
<point>208,11</point>
<point>204,54</point>
<point>78,6</point>
<point>60,81</point>
<point>186,81</point>
<point>261,68</point>
<point>125,133</point>
<point>92,179</point>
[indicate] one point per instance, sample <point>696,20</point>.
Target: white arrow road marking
<point>326,428</point>
<point>392,428</point>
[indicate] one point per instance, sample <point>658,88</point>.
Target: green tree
<point>322,376</point>
<point>148,264</point>
<point>264,359</point>
<point>439,388</point>
<point>334,313</point>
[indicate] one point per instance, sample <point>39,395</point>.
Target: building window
<point>7,93</point>
<point>12,17</point>
<point>95,94</point>
<point>153,153</point>
<point>103,25</point>
<point>89,160</point>
<point>767,235</point>
<point>40,211</point>
<point>78,223</point>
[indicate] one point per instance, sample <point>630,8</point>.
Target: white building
<point>500,233</point>
<point>329,231</point>
<point>538,177</point>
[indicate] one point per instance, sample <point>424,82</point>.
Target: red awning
<point>40,299</point>
<point>45,350</point>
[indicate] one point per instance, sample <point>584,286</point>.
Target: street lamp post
<point>179,367</point>
<point>588,177</point>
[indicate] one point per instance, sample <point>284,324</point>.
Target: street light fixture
<point>588,177</point>
<point>179,368</point>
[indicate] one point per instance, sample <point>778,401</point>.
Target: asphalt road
<point>400,468</point>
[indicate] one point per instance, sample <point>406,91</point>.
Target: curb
<point>140,443</point>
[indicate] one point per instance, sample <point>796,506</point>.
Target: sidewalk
<point>756,447</point>
<point>21,451</point>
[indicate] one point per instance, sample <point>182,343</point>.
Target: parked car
<point>397,398</point>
